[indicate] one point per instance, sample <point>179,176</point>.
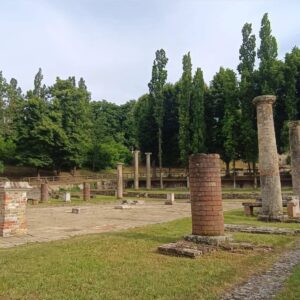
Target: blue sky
<point>111,43</point>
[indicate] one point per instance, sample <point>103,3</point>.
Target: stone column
<point>119,180</point>
<point>294,128</point>
<point>136,169</point>
<point>268,159</point>
<point>206,195</point>
<point>148,170</point>
<point>13,200</point>
<point>44,192</point>
<point>86,191</point>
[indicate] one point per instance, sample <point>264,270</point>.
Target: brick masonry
<point>13,200</point>
<point>206,195</point>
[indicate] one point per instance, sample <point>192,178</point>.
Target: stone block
<point>67,197</point>
<point>122,206</point>
<point>75,210</point>
<point>293,209</point>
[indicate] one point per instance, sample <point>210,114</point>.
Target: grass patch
<point>125,265</point>
<point>237,216</point>
<point>291,289</point>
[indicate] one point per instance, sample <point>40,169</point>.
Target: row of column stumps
<point>136,169</point>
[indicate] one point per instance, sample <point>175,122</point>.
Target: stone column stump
<point>13,200</point>
<point>44,192</point>
<point>86,191</point>
<point>148,170</point>
<point>268,160</point>
<point>119,181</point>
<point>206,195</point>
<point>136,169</point>
<point>294,137</point>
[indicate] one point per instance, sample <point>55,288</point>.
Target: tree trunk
<point>234,175</point>
<point>227,173</point>
<point>153,168</point>
<point>160,157</point>
<point>38,173</point>
<point>254,175</point>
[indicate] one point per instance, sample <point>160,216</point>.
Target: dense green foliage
<point>61,128</point>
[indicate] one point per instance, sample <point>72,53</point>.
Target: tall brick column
<point>119,180</point>
<point>268,159</point>
<point>136,169</point>
<point>86,191</point>
<point>148,170</point>
<point>13,200</point>
<point>294,128</point>
<point>44,192</point>
<point>206,195</point>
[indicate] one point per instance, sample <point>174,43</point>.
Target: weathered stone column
<point>119,180</point>
<point>148,170</point>
<point>268,159</point>
<point>44,192</point>
<point>13,200</point>
<point>86,191</point>
<point>206,195</point>
<point>136,169</point>
<point>294,128</point>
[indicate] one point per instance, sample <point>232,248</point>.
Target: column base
<point>209,240</point>
<point>267,218</point>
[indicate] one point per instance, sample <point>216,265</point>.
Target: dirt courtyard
<point>55,223</point>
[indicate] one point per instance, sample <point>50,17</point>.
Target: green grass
<point>291,290</point>
<point>237,217</point>
<point>125,265</point>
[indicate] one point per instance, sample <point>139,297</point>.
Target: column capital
<point>120,164</point>
<point>294,124</point>
<point>264,99</point>
<point>148,153</point>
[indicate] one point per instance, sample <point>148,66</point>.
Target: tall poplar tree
<point>197,122</point>
<point>184,103</point>
<point>247,93</point>
<point>156,87</point>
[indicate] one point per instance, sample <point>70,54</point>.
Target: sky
<point>112,43</point>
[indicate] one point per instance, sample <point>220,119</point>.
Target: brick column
<point>268,159</point>
<point>136,169</point>
<point>86,191</point>
<point>148,170</point>
<point>206,195</point>
<point>13,200</point>
<point>119,180</point>
<point>294,128</point>
<point>44,192</point>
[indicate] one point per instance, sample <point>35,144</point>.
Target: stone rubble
<point>266,285</point>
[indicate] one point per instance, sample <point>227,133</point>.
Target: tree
<point>184,100</point>
<point>156,86</point>
<point>34,135</point>
<point>146,126</point>
<point>224,110</point>
<point>267,53</point>
<point>72,104</point>
<point>39,89</point>
<point>171,126</point>
<point>247,92</point>
<point>197,122</point>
